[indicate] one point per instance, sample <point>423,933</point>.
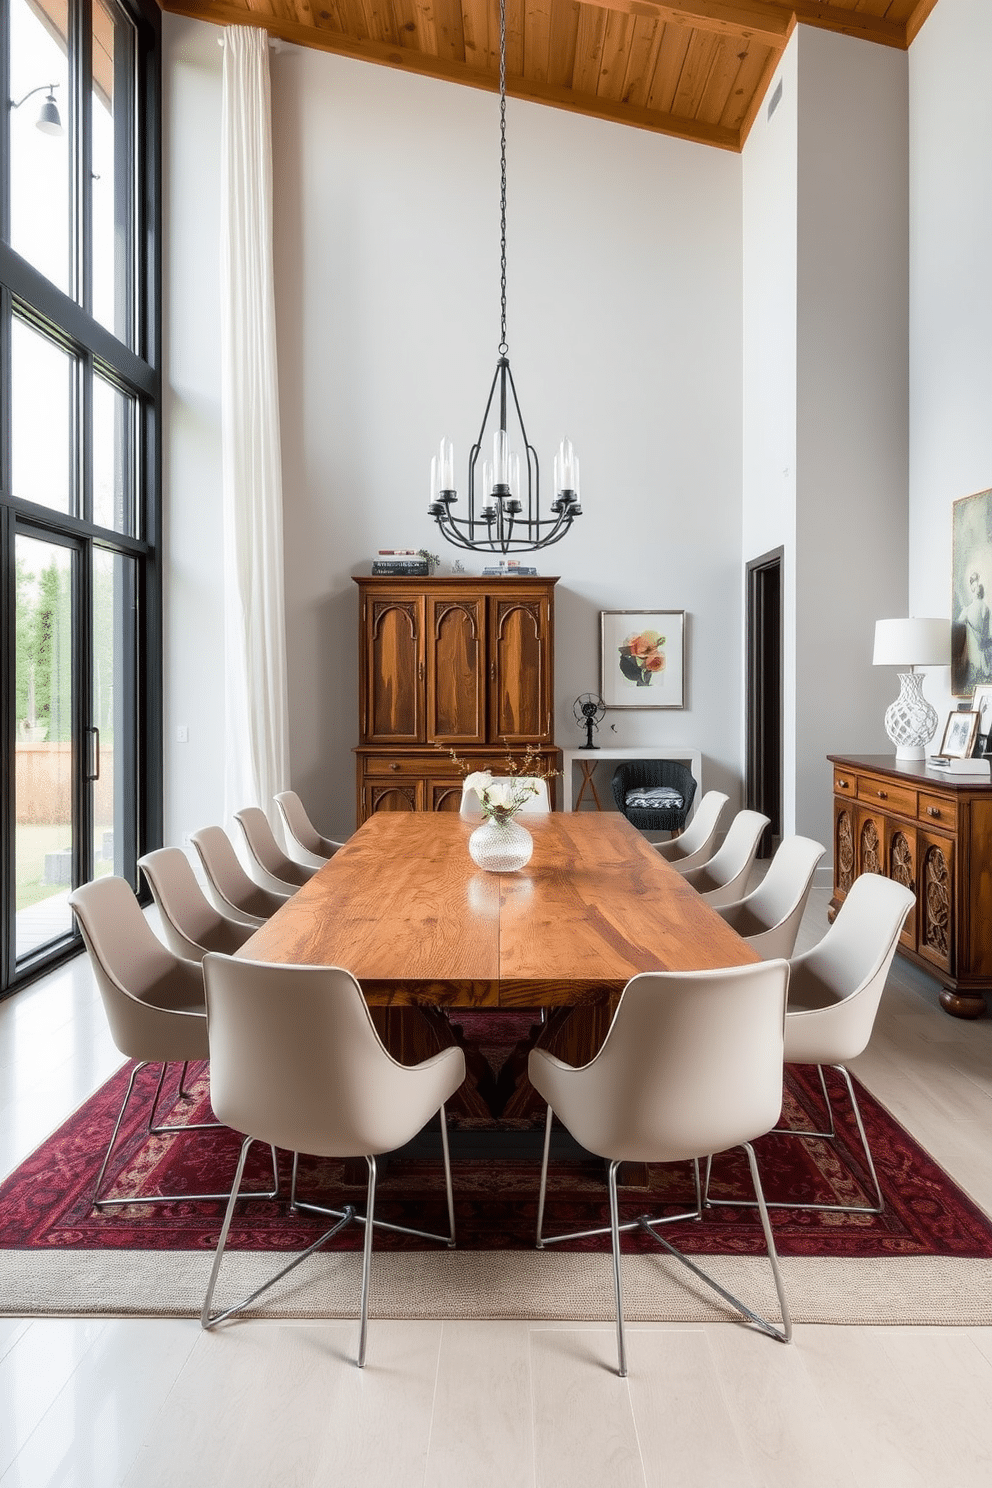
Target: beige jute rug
<point>546,1285</point>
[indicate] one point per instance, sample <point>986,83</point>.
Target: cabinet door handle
<point>492,671</point>
<point>420,670</point>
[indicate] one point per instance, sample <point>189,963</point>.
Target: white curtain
<point>255,692</point>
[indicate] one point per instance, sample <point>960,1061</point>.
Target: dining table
<point>404,908</point>
<point>427,933</point>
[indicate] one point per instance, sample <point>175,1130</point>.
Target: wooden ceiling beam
<point>229,13</point>
<point>769,24</point>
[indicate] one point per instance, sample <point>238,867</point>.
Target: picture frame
<point>960,733</point>
<point>971,594</point>
<point>642,658</point>
<point>982,704</point>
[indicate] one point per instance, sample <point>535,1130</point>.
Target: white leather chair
<point>724,878</point>
<point>691,1065</point>
<point>301,834</point>
<point>694,846</point>
<point>769,917</point>
<point>539,804</point>
<point>228,885</point>
<point>190,923</point>
<point>295,1061</point>
<point>154,1004</point>
<point>272,868</point>
<point>834,993</point>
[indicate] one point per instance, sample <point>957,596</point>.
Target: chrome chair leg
<point>207,1320</point>
<point>363,1328</point>
<point>634,1224</point>
<point>181,1198</point>
<point>189,1126</point>
<point>617,1278</point>
<point>789,1131</point>
<point>783,1334</point>
<point>308,1207</point>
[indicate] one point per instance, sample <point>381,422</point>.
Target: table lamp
<point>910,722</point>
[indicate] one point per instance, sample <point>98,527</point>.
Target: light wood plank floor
<point>94,1403</point>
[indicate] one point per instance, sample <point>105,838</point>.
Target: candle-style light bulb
<point>446,465</point>
<point>501,459</point>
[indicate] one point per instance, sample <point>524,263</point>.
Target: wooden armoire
<point>458,663</point>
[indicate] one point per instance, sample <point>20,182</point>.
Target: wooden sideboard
<point>459,663</point>
<point>933,833</point>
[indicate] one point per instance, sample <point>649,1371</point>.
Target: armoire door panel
<point>395,671</point>
<point>520,688</point>
<point>456,689</point>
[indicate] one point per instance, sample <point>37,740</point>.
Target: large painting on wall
<point>971,616</point>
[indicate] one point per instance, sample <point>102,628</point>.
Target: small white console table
<point>588,759</point>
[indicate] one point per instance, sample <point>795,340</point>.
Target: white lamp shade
<point>905,643</point>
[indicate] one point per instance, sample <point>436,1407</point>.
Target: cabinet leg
<point>962,1004</point>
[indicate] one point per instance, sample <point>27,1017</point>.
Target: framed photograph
<point>960,733</point>
<point>982,704</point>
<point>642,658</point>
<point>971,594</point>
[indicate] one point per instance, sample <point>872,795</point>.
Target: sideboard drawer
<point>884,793</point>
<point>939,811</point>
<point>845,783</point>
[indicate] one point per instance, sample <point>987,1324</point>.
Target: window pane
<point>113,457</point>
<point>113,714</point>
<point>113,168</point>
<point>42,396</point>
<point>43,750</point>
<point>40,219</point>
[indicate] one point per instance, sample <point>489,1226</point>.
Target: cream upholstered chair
<point>539,804</point>
<point>154,1005</point>
<point>295,1061</point>
<point>834,993</point>
<point>691,1065</point>
<point>190,923</point>
<point>724,878</point>
<point>769,917</point>
<point>301,832</point>
<point>694,846</point>
<point>272,868</point>
<point>228,885</point>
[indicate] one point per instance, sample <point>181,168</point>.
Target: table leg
<point>588,768</point>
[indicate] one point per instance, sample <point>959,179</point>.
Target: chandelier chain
<point>503,347</point>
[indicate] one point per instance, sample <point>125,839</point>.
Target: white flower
<point>500,794</point>
<point>479,781</point>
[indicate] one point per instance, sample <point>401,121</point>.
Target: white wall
<point>770,267</point>
<point>950,299</point>
<point>624,330</point>
<point>852,400</point>
<point>826,396</point>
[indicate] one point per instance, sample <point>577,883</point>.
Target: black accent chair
<point>653,773</point>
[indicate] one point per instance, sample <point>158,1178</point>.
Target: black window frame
<point>137,372</point>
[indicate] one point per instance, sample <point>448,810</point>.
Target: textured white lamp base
<point>910,722</point>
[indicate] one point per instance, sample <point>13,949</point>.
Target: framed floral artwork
<point>642,658</point>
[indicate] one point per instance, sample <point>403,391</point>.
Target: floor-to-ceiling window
<point>80,680</point>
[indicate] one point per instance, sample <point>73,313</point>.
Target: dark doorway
<point>763,778</point>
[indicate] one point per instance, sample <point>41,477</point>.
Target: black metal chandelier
<point>504,506</point>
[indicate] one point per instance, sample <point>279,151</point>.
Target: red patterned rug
<point>46,1204</point>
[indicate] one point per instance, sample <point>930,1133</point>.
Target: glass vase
<point>500,847</point>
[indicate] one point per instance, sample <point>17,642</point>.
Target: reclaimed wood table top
<point>405,909</point>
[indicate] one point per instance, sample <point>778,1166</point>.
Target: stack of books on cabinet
<point>400,563</point>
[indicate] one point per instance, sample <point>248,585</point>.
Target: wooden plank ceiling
<point>697,69</point>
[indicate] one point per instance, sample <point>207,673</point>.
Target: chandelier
<point>504,496</point>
